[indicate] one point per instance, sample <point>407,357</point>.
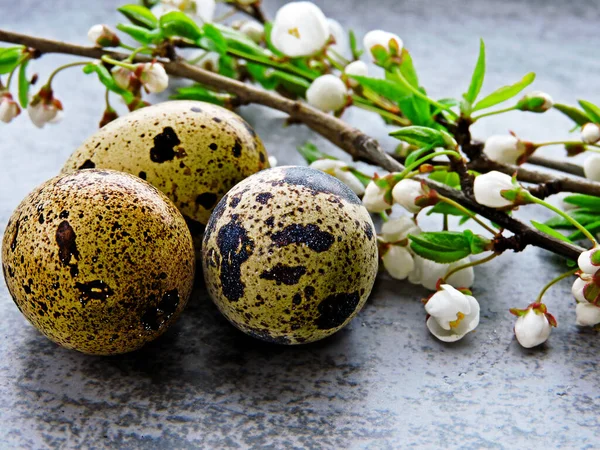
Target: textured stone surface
<point>383,382</point>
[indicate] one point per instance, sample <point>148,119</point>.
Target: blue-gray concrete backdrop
<point>383,382</point>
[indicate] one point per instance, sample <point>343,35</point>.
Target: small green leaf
<point>407,69</point>
<point>139,15</point>
<point>442,240</point>
<point>386,88</point>
<point>9,58</point>
<point>549,231</point>
<point>200,93</point>
<point>587,201</point>
<point>576,115</point>
<point>417,154</point>
<point>445,208</point>
<point>449,178</point>
<point>107,80</point>
<point>356,52</point>
<point>24,84</point>
<point>311,153</point>
<point>478,75</point>
<point>420,136</point>
<point>177,23</point>
<point>213,39</point>
<point>448,246</point>
<point>592,110</point>
<point>592,228</point>
<point>444,257</point>
<point>477,243</point>
<point>140,34</point>
<point>227,66</point>
<point>504,93</point>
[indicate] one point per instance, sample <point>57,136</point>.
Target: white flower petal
<point>488,187</point>
<point>445,305</point>
<point>398,262</point>
<point>587,314</point>
<point>399,228</point>
<point>532,329</point>
<point>299,29</point>
<point>503,148</point>
<point>350,180</point>
<point>342,44</point>
<point>358,68</point>
<point>254,30</point>
<point>406,192</point>
<point>374,199</point>
<point>591,167</point>
<point>380,37</point>
<point>577,289</point>
<point>590,133</point>
<point>327,93</point>
<point>585,262</point>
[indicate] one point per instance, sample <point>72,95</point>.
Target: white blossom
<point>200,10</point>
<point>504,148</point>
<point>374,198</point>
<point>44,108</point>
<point>398,261</point>
<point>341,46</point>
<point>398,229</point>
<point>356,68</point>
<point>452,314</point>
<point>589,261</point>
<point>327,93</point>
<point>153,76</point>
<point>272,161</point>
<point>102,36</point>
<point>591,167</point>
<point>590,133</point>
<point>299,29</point>
<point>383,38</point>
<point>123,77</point>
<point>587,314</point>
<point>406,192</point>
<point>339,169</point>
<point>397,257</point>
<point>427,273</point>
<point>9,109</point>
<point>532,328</point>
<point>488,189</point>
<point>205,60</point>
<point>253,30</point>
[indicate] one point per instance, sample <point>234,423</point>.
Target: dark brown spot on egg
<point>235,247</point>
<point>237,148</point>
<point>207,200</point>
<point>310,235</point>
<point>216,119</point>
<point>13,242</point>
<point>93,290</point>
<point>264,197</point>
<point>66,240</point>
<point>213,146</point>
<point>156,316</point>
<point>282,273</point>
<point>164,145</point>
<point>142,175</point>
<point>335,309</point>
<point>368,230</point>
<point>87,164</point>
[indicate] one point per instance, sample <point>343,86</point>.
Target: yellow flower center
<point>294,32</point>
<point>459,316</point>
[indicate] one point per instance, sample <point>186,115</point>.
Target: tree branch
<point>556,164</point>
<point>350,139</point>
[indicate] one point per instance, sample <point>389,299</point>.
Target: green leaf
<point>311,153</point>
<point>592,110</point>
<point>592,228</point>
<point>576,115</point>
<point>417,154</point>
<point>449,178</point>
<point>213,39</point>
<point>9,58</point>
<point>268,41</point>
<point>24,84</point>
<point>504,93</point>
<point>200,93</point>
<point>176,23</point>
<point>407,69</point>
<point>270,79</point>
<point>356,52</point>
<point>420,136</point>
<point>583,216</point>
<point>107,80</point>
<point>478,75</point>
<point>386,88</point>
<point>140,34</point>
<point>227,66</point>
<point>139,15</point>
<point>549,231</point>
<point>442,246</point>
<point>587,201</point>
<point>445,208</point>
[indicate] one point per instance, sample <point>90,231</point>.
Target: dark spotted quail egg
<point>99,261</point>
<point>194,152</point>
<point>290,255</point>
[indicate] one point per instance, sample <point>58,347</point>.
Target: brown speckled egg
<point>99,261</point>
<point>290,255</point>
<point>192,151</point>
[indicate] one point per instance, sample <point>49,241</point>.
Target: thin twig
<point>555,164</point>
<point>350,139</point>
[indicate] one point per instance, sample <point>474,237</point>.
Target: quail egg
<point>290,255</point>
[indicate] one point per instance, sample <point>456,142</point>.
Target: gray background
<point>383,382</point>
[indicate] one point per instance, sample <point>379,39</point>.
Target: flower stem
<point>564,215</point>
<point>136,51</point>
<point>271,63</point>
<point>465,211</point>
<point>471,264</point>
<point>426,158</point>
<point>544,144</point>
<point>126,47</point>
<point>364,104</point>
<point>553,282</point>
<point>384,216</point>
<point>66,66</point>
<point>116,62</point>
<point>492,113</point>
<point>419,94</point>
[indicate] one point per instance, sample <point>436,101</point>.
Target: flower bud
<point>9,109</point>
<point>589,261</point>
<point>505,148</point>
<point>591,167</point>
<point>397,261</point>
<point>356,68</point>
<point>375,198</point>
<point>124,78</point>
<point>253,30</point>
<point>452,314</point>
<point>590,133</point>
<point>102,36</point>
<point>202,11</point>
<point>327,93</point>
<point>587,314</point>
<point>389,42</point>
<point>153,77</point>
<point>299,29</point>
<point>44,108</point>
<point>533,325</point>
<point>108,116</point>
<point>536,101</point>
<point>398,229</point>
<point>272,161</point>
<point>339,169</point>
<point>406,192</point>
<point>488,189</point>
<point>427,273</point>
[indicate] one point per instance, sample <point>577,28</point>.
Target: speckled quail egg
<point>99,261</point>
<point>192,151</point>
<point>290,255</point>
